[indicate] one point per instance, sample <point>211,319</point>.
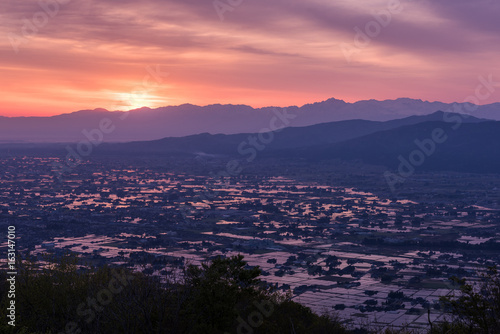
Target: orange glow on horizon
<point>161,53</point>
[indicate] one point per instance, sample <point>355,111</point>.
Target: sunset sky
<point>59,57</point>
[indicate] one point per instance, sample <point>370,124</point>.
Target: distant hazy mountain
<point>465,144</point>
<point>185,120</point>
<point>318,135</point>
<point>472,147</point>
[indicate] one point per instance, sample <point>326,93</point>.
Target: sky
<point>60,56</point>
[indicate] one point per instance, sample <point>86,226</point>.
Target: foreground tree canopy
<point>221,296</point>
<point>476,309</point>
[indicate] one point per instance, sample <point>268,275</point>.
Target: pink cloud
<point>264,53</point>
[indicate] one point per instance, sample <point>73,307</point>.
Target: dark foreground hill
<point>288,138</point>
<point>221,296</point>
<point>430,146</point>
<point>435,142</point>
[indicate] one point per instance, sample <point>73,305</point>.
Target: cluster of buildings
<point>337,249</point>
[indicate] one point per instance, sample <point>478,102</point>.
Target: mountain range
<point>185,120</point>
<point>439,141</point>
<point>293,138</point>
<point>436,142</point>
<point>473,147</point>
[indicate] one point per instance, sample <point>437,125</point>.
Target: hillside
<point>473,147</point>
<point>288,138</point>
<point>184,120</point>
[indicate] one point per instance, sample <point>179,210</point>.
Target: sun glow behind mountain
<point>136,100</point>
